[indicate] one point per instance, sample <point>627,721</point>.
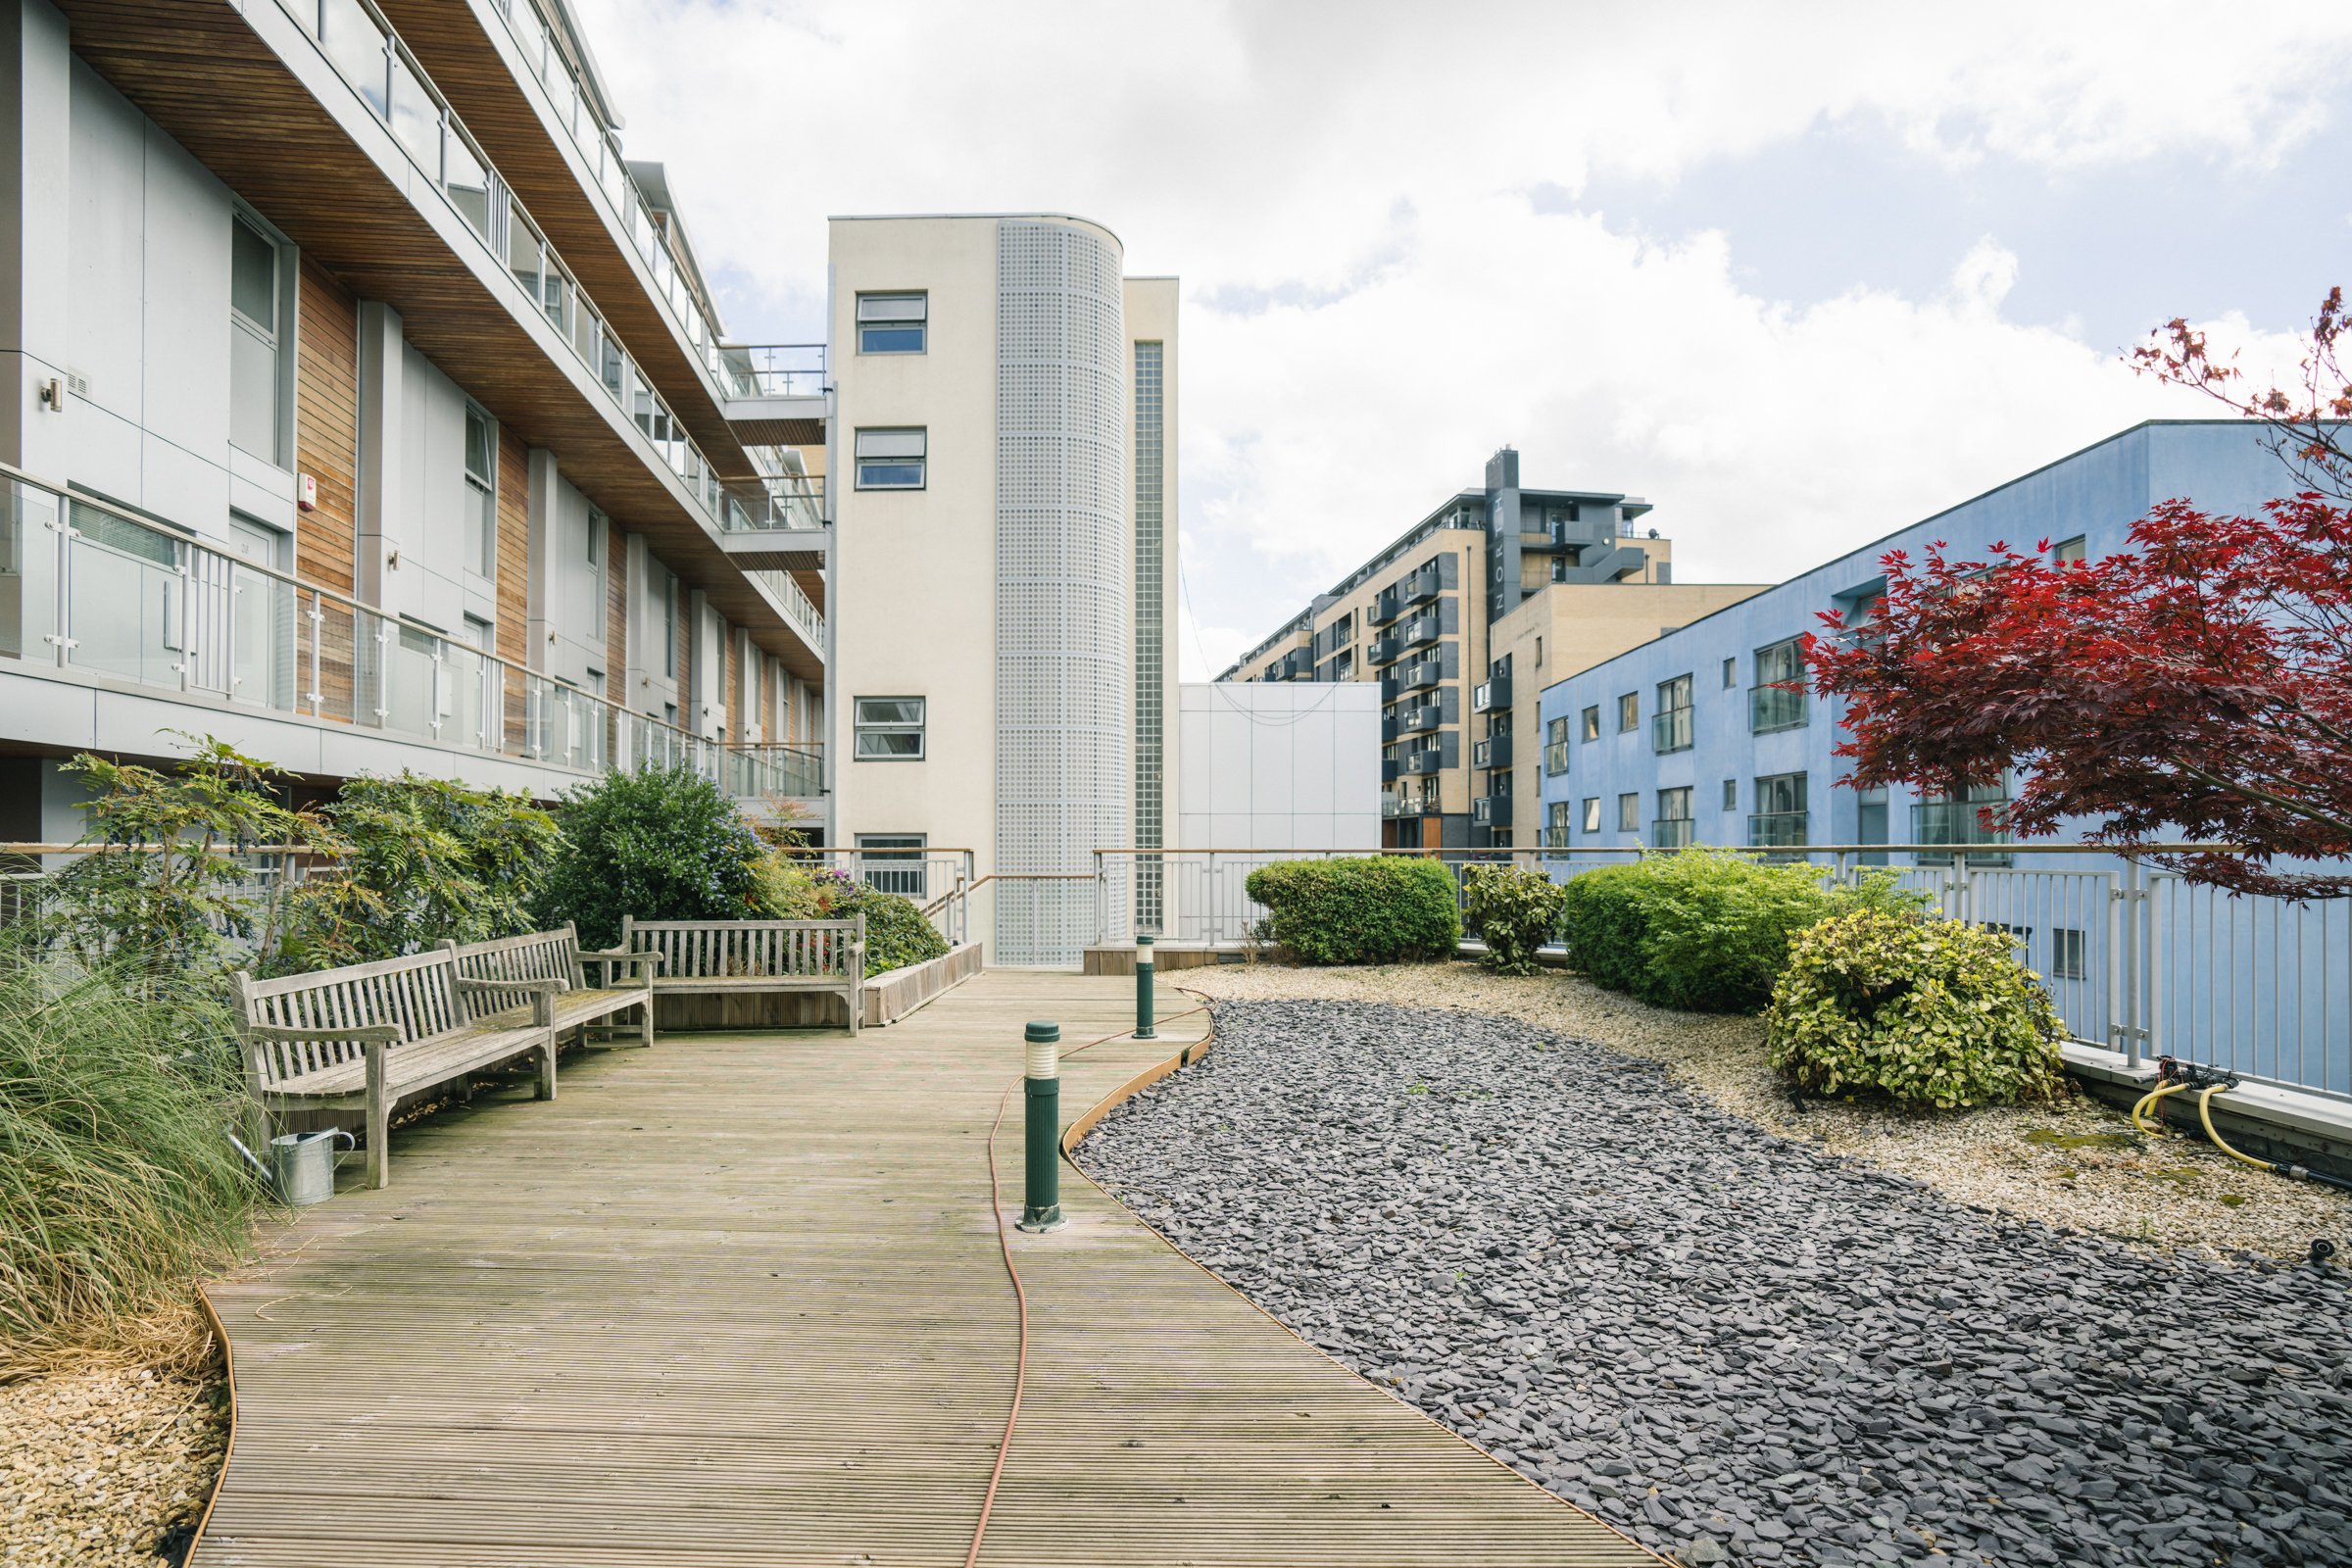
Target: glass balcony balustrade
<point>1670,731</point>
<point>85,589</point>
<point>1771,708</point>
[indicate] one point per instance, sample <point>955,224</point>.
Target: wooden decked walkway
<point>737,1299</point>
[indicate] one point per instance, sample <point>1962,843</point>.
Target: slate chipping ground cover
<point>1733,1346</point>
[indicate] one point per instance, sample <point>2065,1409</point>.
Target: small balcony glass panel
<point>1771,708</point>
<point>1670,731</point>
<point>1776,830</point>
<point>1668,833</point>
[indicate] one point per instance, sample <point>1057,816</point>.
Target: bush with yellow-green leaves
<point>1927,1012</point>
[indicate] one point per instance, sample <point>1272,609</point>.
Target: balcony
<point>777,393</point>
<point>1421,765</point>
<point>1420,721</point>
<point>1776,708</point>
<point>1399,806</point>
<point>1419,588</point>
<point>1386,648</point>
<point>1670,731</point>
<point>371,172</point>
<point>1491,810</point>
<point>1490,693</point>
<point>1387,725</point>
<point>103,599</point>
<point>1492,751</point>
<point>1387,769</point>
<point>1417,676</point>
<point>775,523</point>
<point>1392,686</point>
<point>1777,830</point>
<point>1957,823</point>
<point>1421,629</point>
<point>1386,607</point>
<point>1670,833</point>
<point>1555,757</point>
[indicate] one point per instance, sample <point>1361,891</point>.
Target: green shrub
<point>1514,910</point>
<point>897,931</point>
<point>1369,910</point>
<point>1928,1012</point>
<point>424,861</point>
<point>656,844</point>
<point>1704,930</point>
<point>117,1184</point>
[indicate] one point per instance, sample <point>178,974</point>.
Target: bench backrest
<point>532,955</point>
<point>705,950</point>
<point>414,994</point>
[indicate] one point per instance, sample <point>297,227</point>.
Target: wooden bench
<point>360,1038</point>
<point>553,960</point>
<point>734,956</point>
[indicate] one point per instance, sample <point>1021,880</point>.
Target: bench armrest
<point>389,1034</point>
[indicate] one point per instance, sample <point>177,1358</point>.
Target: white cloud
<point>1374,300</point>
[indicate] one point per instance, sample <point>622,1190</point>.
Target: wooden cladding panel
<point>327,425</point>
<point>284,152</point>
<point>511,587</point>
<point>616,616</point>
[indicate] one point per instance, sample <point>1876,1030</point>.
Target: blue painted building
<point>1683,740</point>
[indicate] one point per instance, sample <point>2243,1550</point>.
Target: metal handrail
<point>319,595</point>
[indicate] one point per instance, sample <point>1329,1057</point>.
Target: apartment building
<point>1462,620</point>
<point>366,406</point>
<point>1004,439</point>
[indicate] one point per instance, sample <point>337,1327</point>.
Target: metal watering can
<point>300,1168</point>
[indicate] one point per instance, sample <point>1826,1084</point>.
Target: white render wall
<point>1278,765</point>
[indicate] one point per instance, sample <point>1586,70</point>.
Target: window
<point>1870,822</point>
<point>891,324</point>
<point>1592,814</point>
<point>889,730</point>
<point>1778,698</point>
<point>481,492</point>
<point>2066,947</point>
<point>1629,711</point>
<point>1730,795</point>
<point>891,460</point>
<point>1592,722</point>
<point>256,365</point>
<point>666,584</point>
<point>1779,819</point>
<point>478,632</point>
<point>1555,746</point>
<point>1954,819</point>
<point>2067,551</point>
<point>1670,728</point>
<point>1730,674</point>
<point>597,523</point>
<point>1672,829</point>
<point>1629,813</point>
<point>893,862</point>
<point>1555,825</point>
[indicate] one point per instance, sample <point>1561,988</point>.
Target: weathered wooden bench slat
<point>733,956</point>
<point>361,1035</point>
<point>553,960</point>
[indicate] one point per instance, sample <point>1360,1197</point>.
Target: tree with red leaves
<point>2194,686</point>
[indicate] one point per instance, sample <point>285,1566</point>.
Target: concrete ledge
<point>893,995</point>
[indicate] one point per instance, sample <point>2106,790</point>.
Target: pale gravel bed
<point>2174,1192</point>
<point>104,1469</point>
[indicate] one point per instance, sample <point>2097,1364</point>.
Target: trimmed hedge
<point>1703,930</point>
<point>1364,910</point>
<point>1514,910</point>
<point>1930,1013</point>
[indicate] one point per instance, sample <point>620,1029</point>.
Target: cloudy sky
<point>1798,275</point>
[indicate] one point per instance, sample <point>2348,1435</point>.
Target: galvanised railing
<point>2139,961</point>
<point>90,589</point>
<point>776,370</point>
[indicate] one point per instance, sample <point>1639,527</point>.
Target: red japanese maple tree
<point>2196,686</point>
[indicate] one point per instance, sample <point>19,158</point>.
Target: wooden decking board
<point>737,1299</point>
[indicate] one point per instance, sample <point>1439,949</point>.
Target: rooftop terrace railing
<point>2139,961</point>
<point>92,589</point>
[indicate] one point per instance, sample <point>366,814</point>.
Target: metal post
<point>1143,988</point>
<point>1041,1205</point>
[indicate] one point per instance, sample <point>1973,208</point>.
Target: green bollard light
<point>1042,1202</point>
<point>1143,990</point>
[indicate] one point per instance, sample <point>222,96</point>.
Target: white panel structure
<point>1064,648</point>
<point>1279,765</point>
